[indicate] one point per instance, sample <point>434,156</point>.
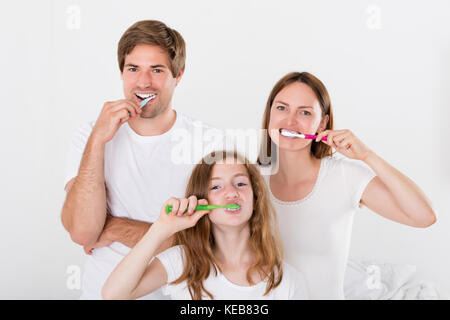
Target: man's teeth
<point>144,95</point>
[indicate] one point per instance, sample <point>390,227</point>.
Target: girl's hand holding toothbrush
<point>346,143</point>
<point>178,219</point>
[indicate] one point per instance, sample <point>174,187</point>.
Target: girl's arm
<point>133,277</point>
<point>391,194</point>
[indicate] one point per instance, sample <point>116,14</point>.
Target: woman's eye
<point>280,107</point>
<point>306,113</point>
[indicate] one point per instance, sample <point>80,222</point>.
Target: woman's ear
<point>323,123</point>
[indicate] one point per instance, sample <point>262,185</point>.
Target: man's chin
<point>152,112</point>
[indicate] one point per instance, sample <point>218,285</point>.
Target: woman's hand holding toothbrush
<point>346,143</point>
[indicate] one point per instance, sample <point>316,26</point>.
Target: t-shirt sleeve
<point>172,260</point>
<point>75,151</point>
<point>357,176</point>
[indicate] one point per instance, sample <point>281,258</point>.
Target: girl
<point>315,194</point>
<point>219,254</point>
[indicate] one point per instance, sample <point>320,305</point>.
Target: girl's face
<point>295,108</point>
<point>230,183</point>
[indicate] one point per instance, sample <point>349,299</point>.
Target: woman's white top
<point>292,285</point>
<point>316,230</point>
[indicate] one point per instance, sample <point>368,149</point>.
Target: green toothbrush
<point>206,207</point>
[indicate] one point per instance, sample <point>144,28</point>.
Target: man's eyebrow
<point>234,176</point>
<point>286,104</point>
<point>153,66</point>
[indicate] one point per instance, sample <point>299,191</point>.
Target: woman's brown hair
<point>198,242</point>
<point>318,150</point>
<point>153,32</point>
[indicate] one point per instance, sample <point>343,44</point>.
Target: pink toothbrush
<point>293,134</point>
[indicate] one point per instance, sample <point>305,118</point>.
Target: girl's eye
<point>241,184</point>
<point>214,187</point>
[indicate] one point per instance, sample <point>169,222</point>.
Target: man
<point>123,167</point>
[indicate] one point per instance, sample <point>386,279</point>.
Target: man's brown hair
<point>156,33</point>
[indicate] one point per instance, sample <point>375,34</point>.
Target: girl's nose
<point>231,193</point>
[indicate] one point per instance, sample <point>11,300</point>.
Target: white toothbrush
<point>144,102</point>
<point>293,134</point>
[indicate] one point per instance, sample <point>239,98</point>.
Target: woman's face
<point>230,183</point>
<point>295,108</point>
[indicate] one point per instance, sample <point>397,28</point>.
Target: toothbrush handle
<point>197,208</point>
<point>311,136</point>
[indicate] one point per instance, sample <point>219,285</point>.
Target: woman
<point>315,194</point>
<point>223,255</point>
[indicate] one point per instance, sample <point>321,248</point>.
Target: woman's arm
<point>396,197</point>
<point>133,277</point>
<point>391,194</point>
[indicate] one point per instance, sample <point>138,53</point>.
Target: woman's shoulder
<point>296,282</point>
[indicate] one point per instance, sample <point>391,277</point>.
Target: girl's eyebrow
<point>234,176</point>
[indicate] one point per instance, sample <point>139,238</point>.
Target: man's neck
<point>154,126</point>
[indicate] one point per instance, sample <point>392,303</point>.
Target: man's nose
<point>145,80</point>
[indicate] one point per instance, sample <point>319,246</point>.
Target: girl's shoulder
<point>172,260</point>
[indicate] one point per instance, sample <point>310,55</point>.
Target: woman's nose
<point>291,119</point>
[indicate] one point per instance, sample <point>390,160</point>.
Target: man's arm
<point>84,211</point>
<point>126,231</point>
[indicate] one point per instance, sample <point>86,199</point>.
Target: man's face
<point>146,71</point>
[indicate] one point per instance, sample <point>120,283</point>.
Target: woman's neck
<point>296,166</point>
<point>232,246</point>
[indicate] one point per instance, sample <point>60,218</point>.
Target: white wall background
<point>386,65</point>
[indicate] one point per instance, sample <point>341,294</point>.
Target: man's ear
<point>180,75</point>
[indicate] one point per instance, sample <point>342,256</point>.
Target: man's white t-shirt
<point>316,230</point>
<point>141,173</point>
<point>292,285</point>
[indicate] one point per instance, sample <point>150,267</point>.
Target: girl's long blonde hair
<point>198,242</point>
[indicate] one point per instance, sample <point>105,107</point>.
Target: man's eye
<point>132,69</point>
<point>157,70</point>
